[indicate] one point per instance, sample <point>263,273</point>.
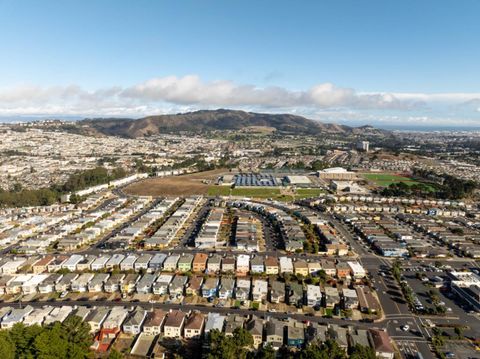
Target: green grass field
<point>219,191</point>
<point>308,192</point>
<point>266,192</point>
<point>253,192</point>
<point>386,179</point>
<point>256,192</point>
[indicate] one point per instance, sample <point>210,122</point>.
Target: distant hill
<point>214,120</point>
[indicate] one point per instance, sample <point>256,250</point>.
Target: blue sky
<point>379,62</point>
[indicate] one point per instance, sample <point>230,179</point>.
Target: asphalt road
<point>192,231</point>
<point>395,309</point>
<point>124,225</point>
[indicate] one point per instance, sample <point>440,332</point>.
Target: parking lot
<point>460,350</point>
<point>456,311</point>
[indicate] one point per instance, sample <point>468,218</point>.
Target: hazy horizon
<point>385,126</point>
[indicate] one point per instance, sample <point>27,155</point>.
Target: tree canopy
<point>70,339</point>
<point>20,197</point>
<point>222,346</point>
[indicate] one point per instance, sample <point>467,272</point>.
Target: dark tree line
<point>88,178</point>
<point>20,197</point>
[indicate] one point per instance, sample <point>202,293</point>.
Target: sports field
<point>245,192</point>
<point>253,192</point>
<point>386,179</point>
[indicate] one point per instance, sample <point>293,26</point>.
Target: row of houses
<point>241,264</point>
<point>378,234</point>
<point>16,228</point>
<point>138,228</point>
<point>286,215</point>
<point>272,331</point>
<point>225,287</point>
<point>30,316</point>
<point>170,228</point>
<point>390,237</point>
<point>458,233</point>
<point>248,232</point>
<point>150,325</point>
<point>35,229</point>
<point>92,225</point>
<point>396,200</point>
<point>332,241</point>
<point>292,234</point>
<point>208,237</point>
<point>387,208</point>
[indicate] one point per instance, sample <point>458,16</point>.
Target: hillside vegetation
<point>214,120</point>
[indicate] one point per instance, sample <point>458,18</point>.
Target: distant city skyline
<point>388,64</point>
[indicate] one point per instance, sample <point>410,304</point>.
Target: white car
<point>406,328</point>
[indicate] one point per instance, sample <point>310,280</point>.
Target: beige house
<point>174,324</point>
<point>194,326</point>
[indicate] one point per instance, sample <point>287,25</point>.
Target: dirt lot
<point>184,185</point>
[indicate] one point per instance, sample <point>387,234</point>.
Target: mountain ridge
<point>215,120</point>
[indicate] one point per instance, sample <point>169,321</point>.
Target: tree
<point>49,343</point>
<point>322,275</point>
<point>333,349</point>
<point>362,352</point>
<point>313,352</point>
<point>266,352</point>
<point>327,350</point>
<point>441,309</point>
<point>74,198</point>
<point>459,332</point>
<point>242,337</point>
<point>397,270</point>
<point>17,187</point>
<point>221,346</point>
<point>459,231</point>
<point>23,338</point>
<point>114,354</point>
<point>307,246</point>
<point>7,346</point>
<point>70,340</point>
<point>77,333</point>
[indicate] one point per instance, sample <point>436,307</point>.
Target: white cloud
<point>178,94</point>
<point>439,97</point>
<point>191,90</point>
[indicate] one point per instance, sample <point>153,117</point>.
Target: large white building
<point>467,286</point>
<point>336,173</point>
